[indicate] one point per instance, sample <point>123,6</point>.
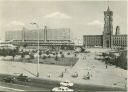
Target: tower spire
<point>108,6</point>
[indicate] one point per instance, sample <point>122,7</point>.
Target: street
<point>15,87</point>
<point>77,88</point>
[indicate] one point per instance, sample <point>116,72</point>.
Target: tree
<point>47,52</point>
<point>62,56</point>
<point>82,49</point>
<point>61,52</point>
<point>40,53</point>
<point>13,53</point>
<point>22,55</point>
<point>121,61</point>
<point>56,58</point>
<point>4,52</point>
<point>49,56</point>
<point>44,57</point>
<point>31,56</point>
<point>25,45</point>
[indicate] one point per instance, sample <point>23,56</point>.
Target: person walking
<point>88,75</point>
<point>106,66</point>
<point>62,75</point>
<point>65,70</point>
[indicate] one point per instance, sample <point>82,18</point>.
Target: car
<point>63,89</point>
<point>23,78</point>
<point>9,79</point>
<point>66,83</point>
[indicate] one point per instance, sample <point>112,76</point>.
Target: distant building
<point>48,38</point>
<point>107,40</point>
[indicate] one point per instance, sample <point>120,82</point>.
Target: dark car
<point>23,78</point>
<point>9,79</point>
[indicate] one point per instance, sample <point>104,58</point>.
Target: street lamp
<point>38,48</point>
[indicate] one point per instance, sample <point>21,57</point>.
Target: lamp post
<point>38,49</point>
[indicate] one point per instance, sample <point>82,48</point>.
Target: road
<point>15,87</point>
<point>86,88</point>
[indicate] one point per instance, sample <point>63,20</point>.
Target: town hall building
<point>108,39</point>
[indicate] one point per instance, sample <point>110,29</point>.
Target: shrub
<point>54,54</point>
<point>68,53</point>
<point>56,58</point>
<point>47,52</point>
<point>60,52</point>
<point>49,56</point>
<point>22,55</point>
<point>121,61</point>
<point>13,53</point>
<point>62,56</point>
<point>40,53</point>
<point>31,56</point>
<point>44,57</point>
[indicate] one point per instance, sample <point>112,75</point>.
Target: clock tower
<point>108,28</point>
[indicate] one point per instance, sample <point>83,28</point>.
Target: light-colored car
<point>66,83</point>
<point>62,89</point>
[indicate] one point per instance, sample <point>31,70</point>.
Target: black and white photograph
<point>63,45</point>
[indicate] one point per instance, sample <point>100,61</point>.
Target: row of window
<point>119,45</point>
<point>120,42</point>
<point>119,38</point>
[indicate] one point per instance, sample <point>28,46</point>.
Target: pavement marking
<point>12,88</point>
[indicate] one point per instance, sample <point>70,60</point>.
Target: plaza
<point>82,42</point>
<point>112,76</point>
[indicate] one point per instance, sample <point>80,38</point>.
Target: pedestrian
<point>76,74</point>
<point>62,75</point>
<point>65,69</point>
<point>49,75</point>
<point>88,75</point>
<point>106,66</point>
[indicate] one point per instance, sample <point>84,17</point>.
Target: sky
<point>82,17</point>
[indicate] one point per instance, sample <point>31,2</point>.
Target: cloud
<point>95,22</point>
<point>57,15</point>
<point>15,23</point>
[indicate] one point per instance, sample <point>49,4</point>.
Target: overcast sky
<point>82,17</point>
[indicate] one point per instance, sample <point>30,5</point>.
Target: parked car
<point>23,78</point>
<point>10,79</point>
<point>63,89</point>
<point>66,83</point>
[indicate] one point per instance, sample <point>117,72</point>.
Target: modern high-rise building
<point>48,38</point>
<point>108,39</point>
